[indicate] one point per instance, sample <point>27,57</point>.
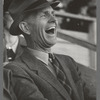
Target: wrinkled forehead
<point>35,13</point>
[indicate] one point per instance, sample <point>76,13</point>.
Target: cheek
<point>37,31</point>
<point>41,28</point>
<point>33,31</point>
<point>33,26</point>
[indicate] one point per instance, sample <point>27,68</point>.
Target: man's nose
<point>53,19</point>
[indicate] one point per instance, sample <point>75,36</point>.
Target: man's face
<point>42,26</point>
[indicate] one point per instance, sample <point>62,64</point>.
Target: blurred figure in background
<point>75,6</point>
<point>12,44</point>
<point>78,7</point>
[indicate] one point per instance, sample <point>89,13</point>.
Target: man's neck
<point>36,47</point>
<point>43,56</point>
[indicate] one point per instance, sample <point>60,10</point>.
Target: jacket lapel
<point>69,77</point>
<point>49,77</point>
<point>44,73</point>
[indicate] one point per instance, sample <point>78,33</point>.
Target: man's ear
<point>24,27</point>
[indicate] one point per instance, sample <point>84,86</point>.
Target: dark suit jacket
<point>32,80</point>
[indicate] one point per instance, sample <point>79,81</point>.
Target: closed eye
<point>43,15</point>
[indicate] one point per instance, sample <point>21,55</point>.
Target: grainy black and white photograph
<point>49,49</point>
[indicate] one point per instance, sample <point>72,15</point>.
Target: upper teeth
<point>51,28</point>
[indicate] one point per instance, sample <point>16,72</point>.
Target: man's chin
<point>52,43</point>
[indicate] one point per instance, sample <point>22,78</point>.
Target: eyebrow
<point>48,12</point>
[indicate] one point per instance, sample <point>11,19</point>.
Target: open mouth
<point>50,30</point>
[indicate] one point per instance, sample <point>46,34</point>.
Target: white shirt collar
<point>14,46</point>
<point>40,55</point>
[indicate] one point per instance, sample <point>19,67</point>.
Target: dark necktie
<point>10,54</point>
<point>60,74</point>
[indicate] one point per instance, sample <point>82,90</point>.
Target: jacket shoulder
<point>17,69</point>
<point>67,60</point>
<point>64,57</point>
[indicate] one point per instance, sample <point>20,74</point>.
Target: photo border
<point>1,50</point>
<point>98,50</point>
